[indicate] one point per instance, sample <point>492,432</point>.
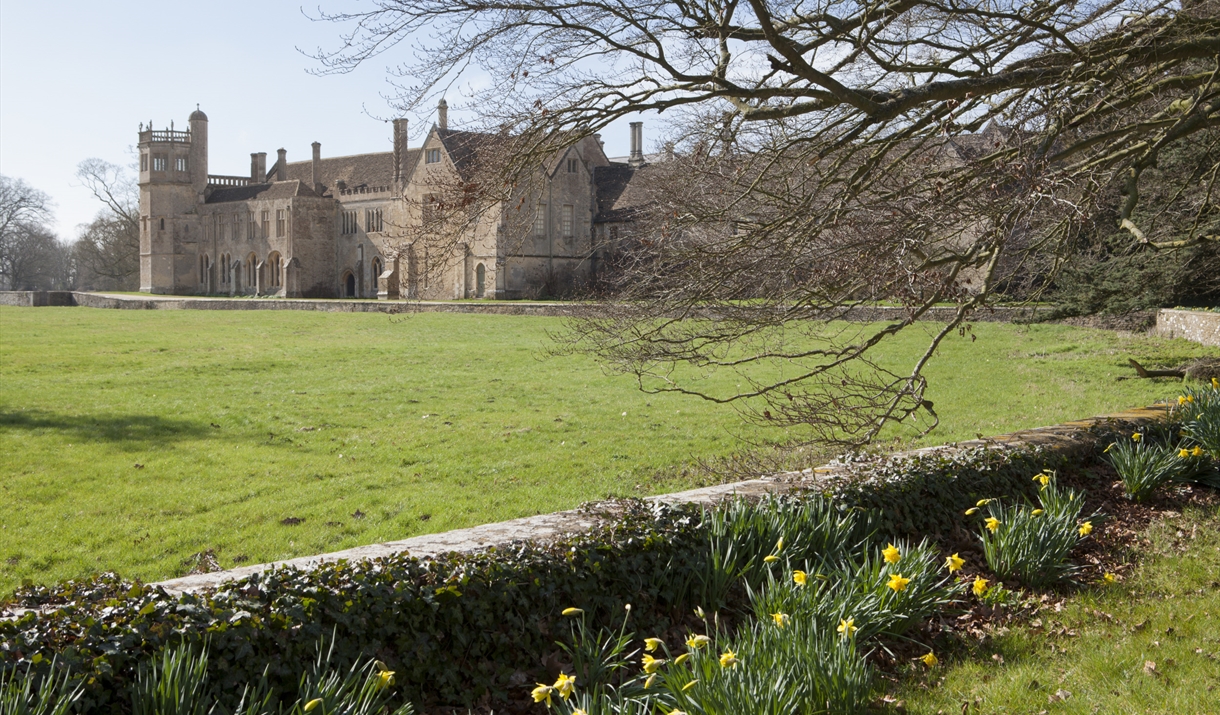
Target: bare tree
<point>24,241</point>
<point>828,154</point>
<point>108,248</point>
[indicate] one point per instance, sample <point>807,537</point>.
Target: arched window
<point>204,264</point>
<point>480,281</point>
<point>274,271</point>
<point>251,269</point>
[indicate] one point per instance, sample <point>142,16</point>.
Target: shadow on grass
<point>105,428</point>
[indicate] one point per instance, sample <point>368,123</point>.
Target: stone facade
<point>1200,326</point>
<point>355,226</point>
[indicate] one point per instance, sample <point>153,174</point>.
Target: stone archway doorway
<point>349,286</point>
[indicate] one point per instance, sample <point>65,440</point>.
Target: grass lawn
<point>131,440</point>
<point>1149,644</point>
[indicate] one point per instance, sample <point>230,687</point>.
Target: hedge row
<point>463,628</point>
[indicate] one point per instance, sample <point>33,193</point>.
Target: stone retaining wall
<point>941,314</point>
<point>1202,327</point>
<point>1069,440</point>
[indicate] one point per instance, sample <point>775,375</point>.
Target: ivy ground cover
<point>136,440</point>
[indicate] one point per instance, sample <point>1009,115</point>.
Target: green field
<point>131,440</point>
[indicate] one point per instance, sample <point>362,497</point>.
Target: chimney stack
<point>281,165</point>
<point>258,167</point>
<point>400,149</point>
<point>636,159</point>
<point>317,167</point>
<point>442,114</point>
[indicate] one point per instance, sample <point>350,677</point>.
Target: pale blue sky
<point>77,77</point>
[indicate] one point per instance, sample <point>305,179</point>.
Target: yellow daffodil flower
<point>1196,452</point>
<point>847,626</point>
<point>652,665</point>
<point>697,642</point>
<point>972,510</point>
<point>651,644</point>
<point>954,563</point>
<point>541,693</point>
<point>579,711</point>
<point>385,679</point>
<point>992,523</point>
<point>572,612</point>
<point>770,559</point>
<point>313,705</point>
<point>1086,528</point>
<point>681,659</point>
<point>800,578</point>
<point>898,583</point>
<point>564,685</point>
<point>891,554</point>
<point>689,685</point>
<point>649,680</point>
<point>1183,453</point>
<point>982,502</point>
<point>1215,384</point>
<point>1190,398</point>
<point>980,586</point>
<point>930,660</point>
<point>1109,578</point>
<point>728,659</point>
<point>779,545</point>
<point>1181,400</point>
<point>1136,436</point>
<point>1043,479</point>
<point>781,619</point>
<point>699,611</point>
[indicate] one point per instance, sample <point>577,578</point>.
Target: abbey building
<point>356,226</point>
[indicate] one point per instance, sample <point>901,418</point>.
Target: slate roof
<point>356,170</point>
<point>273,190</point>
<point>463,148</point>
<point>619,192</point>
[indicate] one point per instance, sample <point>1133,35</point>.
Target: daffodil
<point>800,578</point>
<point>1190,398</point>
<point>980,586</point>
<point>652,665</point>
<point>972,510</point>
<point>1196,452</point>
<point>779,545</point>
<point>572,612</point>
<point>982,502</point>
<point>992,523</point>
<point>781,619</point>
<point>541,693</point>
<point>579,711</point>
<point>651,644</point>
<point>728,659</point>
<point>1136,436</point>
<point>649,681</point>
<point>891,554</point>
<point>1183,453</point>
<point>698,642</point>
<point>930,660</point>
<point>770,558</point>
<point>1109,578</point>
<point>385,679</point>
<point>1086,528</point>
<point>689,685</point>
<point>847,626</point>
<point>1181,400</point>
<point>313,705</point>
<point>681,659</point>
<point>1036,512</point>
<point>898,583</point>
<point>1043,479</point>
<point>564,685</point>
<point>1215,384</point>
<point>954,563</point>
<point>699,611</point>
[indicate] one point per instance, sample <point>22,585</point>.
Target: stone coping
<point>1067,439</point>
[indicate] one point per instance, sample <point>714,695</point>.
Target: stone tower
<point>173,179</point>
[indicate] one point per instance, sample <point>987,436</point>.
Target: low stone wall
<point>1069,440</point>
<point>871,314</point>
<point>1200,326</point>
